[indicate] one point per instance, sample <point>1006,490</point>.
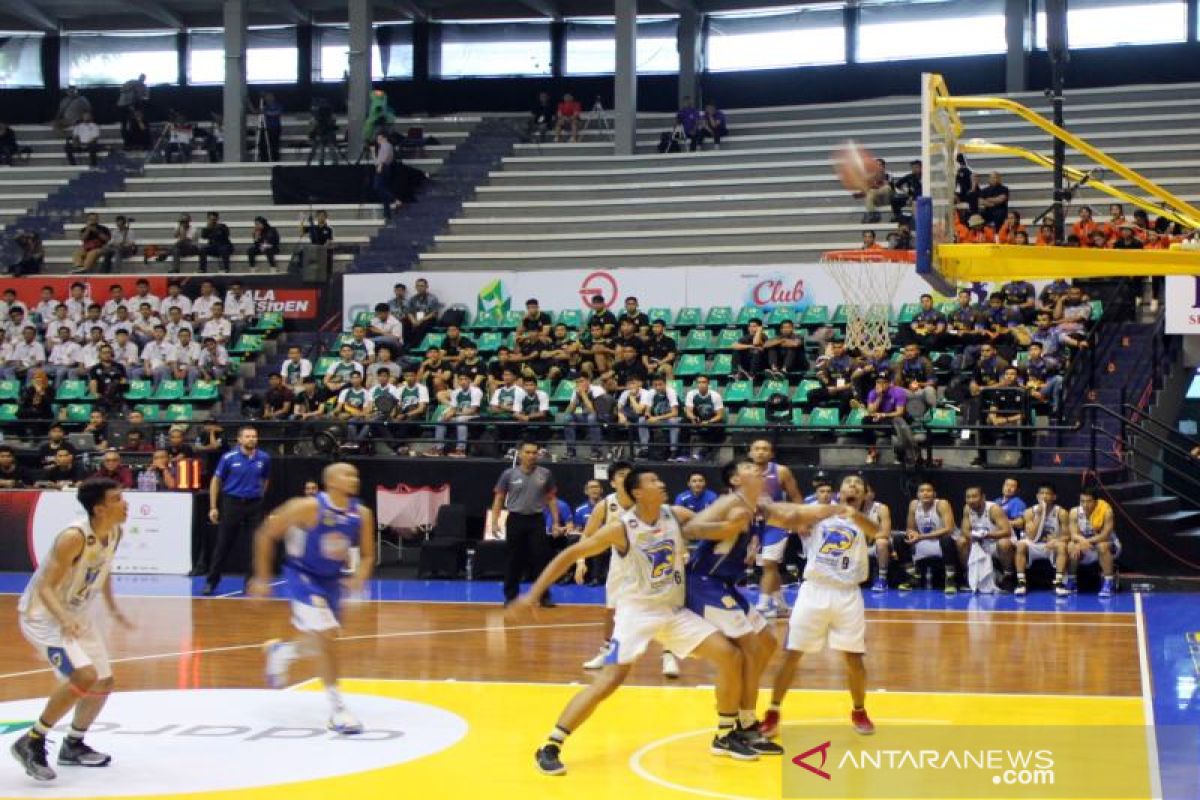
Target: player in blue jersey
<point>697,496</point>
<point>714,568</point>
<point>319,534</point>
<point>779,484</point>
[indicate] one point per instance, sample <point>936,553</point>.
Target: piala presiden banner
<point>798,286</point>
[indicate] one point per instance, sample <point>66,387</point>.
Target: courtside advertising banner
<point>1183,304</point>
<point>797,286</point>
<point>157,540</point>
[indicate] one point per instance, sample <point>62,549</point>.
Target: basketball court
<point>455,702</point>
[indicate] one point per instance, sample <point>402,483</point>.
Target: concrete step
<point>1131,490</point>
<point>1174,521</point>
<point>281,215</point>
<point>697,255</point>
<point>641,240</point>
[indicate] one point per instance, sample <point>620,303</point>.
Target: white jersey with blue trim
<point>84,578</point>
<point>1045,524</point>
<point>837,555</point>
<point>928,519</point>
<point>981,522</point>
<point>652,566</point>
<point>614,582</point>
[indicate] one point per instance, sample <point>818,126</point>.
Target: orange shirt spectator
<point>569,108</point>
<point>1084,228</point>
<point>1112,228</point>
<point>1045,237</point>
<point>1008,231</point>
<point>869,242</point>
<point>976,232</point>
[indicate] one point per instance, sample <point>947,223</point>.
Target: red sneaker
<point>770,725</point>
<point>862,723</point>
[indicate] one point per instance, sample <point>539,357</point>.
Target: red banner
<point>294,303</point>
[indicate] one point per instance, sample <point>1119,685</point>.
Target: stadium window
<point>489,49</point>
<point>793,37</point>
<point>892,31</point>
<point>271,55</point>
<point>591,47</point>
<point>21,61</point>
<point>332,57</point>
<point>1109,23</point>
<point>113,57</point>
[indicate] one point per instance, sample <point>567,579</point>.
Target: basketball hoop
<point>869,280</point>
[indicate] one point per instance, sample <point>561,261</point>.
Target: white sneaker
<point>279,658</point>
<point>344,722</point>
<point>670,667</point>
<point>597,661</point>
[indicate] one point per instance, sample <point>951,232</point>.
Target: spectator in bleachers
<point>71,110</point>
<point>541,118</point>
<point>834,373</point>
<point>354,407</point>
<point>219,244</point>
<point>663,413</point>
<point>687,122</point>
<point>628,336</point>
<point>564,353</point>
<point>633,406</point>
<point>97,426</point>
<point>1045,235</point>
<point>319,232</point>
<point>1098,240</point>
<point>869,242</point>
<point>93,237</point>
<point>135,131</point>
<point>125,352</point>
<point>597,350</point>
<point>712,124</point>
<point>306,402</point>
<point>158,357</point>
<point>66,358</point>
<point>749,354</point>
<point>471,364</point>
<point>928,328</point>
<point>383,363</point>
<point>122,321</point>
<point>878,194</point>
<point>55,324</point>
<point>144,324</point>
<point>660,351</point>
<point>183,244</point>
<point>1085,226</point>
<point>175,324</point>
<point>31,256</point>
<point>412,403</point>
<point>264,242</point>
<point>420,313</point>
<point>567,115</point>
<point>633,313</point>
<point>581,412</point>
<point>629,366</point>
<point>506,398</point>
<point>785,352</point>
<point>905,191</point>
<point>64,473</point>
<point>112,468</point>
<point>337,375</point>
<point>874,361</point>
<point>85,137</point>
<point>398,305</point>
<point>219,328</point>
<point>122,245</point>
<point>26,356</point>
<point>464,405</point>
<point>37,398</point>
<point>593,493</point>
<point>17,316</point>
<point>1003,324</point>
<point>436,372</point>
<point>1116,218</point>
<point>385,329</point>
<point>1042,378</point>
<point>1073,313</point>
<point>993,201</point>
<point>915,373</point>
<point>56,439</point>
<point>705,408</point>
<point>534,325</point>
<point>1126,239</point>
<point>1052,340</point>
<point>886,404</point>
<point>90,350</point>
<point>533,414</point>
<point>142,294</point>
<point>598,312</point>
<point>159,475</point>
<point>362,347</point>
<point>385,160</point>
<point>1141,224</point>
<point>1020,297</point>
<point>1003,410</point>
<point>187,357</point>
<point>1007,233</point>
<point>204,302</point>
<point>12,474</point>
<point>9,149</point>
<point>214,360</point>
<point>176,299</point>
<point>977,231</point>
<point>11,302</point>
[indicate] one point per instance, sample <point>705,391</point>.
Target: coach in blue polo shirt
<point>235,498</point>
<point>697,496</point>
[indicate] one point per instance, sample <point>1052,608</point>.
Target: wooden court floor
<point>461,701</point>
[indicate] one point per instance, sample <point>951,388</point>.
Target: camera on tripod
<point>323,127</point>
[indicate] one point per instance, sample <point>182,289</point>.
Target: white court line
<point>256,645</point>
<point>242,591</point>
<point>1148,701</point>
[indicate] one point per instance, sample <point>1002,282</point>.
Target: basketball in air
<point>854,166</point>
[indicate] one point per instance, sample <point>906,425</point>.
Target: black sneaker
<point>548,762</point>
<point>758,743</point>
<point>76,753</point>
<point>31,754</point>
<point>733,745</point>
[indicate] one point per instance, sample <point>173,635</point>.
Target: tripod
<point>600,117</point>
<point>262,139</point>
<point>159,151</point>
<point>323,142</point>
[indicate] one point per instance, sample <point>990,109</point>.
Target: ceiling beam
<point>547,8</point>
<point>156,12</point>
<point>411,9</point>
<point>292,11</point>
<point>682,6</point>
<point>30,13</point>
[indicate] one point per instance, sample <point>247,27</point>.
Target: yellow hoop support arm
<point>987,148</point>
<point>1096,155</point>
<point>965,263</point>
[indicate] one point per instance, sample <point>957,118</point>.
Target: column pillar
<point>234,106</point>
<point>625,79</point>
<point>1016,32</point>
<point>360,74</point>
<point>691,52</point>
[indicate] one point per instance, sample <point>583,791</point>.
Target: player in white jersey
<point>647,541</point>
<point>881,515</point>
<point>1045,537</point>
<point>829,607</point>
<point>985,523</point>
<point>929,534</point>
<point>56,616</point>
<point>1093,538</point>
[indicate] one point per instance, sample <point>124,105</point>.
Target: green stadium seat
<point>512,319</point>
<point>855,418</point>
<point>823,418</point>
<point>740,391</point>
<point>563,392</point>
<point>722,366</point>
<point>665,314</point>
<point>485,322</point>
<point>151,412</point>
<point>719,317</point>
<point>947,307</point>
<point>432,339</point>
<point>8,412</point>
<point>908,312</point>
<point>248,344</point>
<point>269,322</point>
<point>815,316</point>
<point>139,390</point>
<point>169,391</point>
<point>747,313</point>
<point>77,412</point>
<point>727,338</point>
<point>798,417</point>
<point>690,365</point>
<point>677,385</point>
<point>71,390</point>
<point>490,341</point>
<point>10,389</point>
<point>178,412</point>
<point>698,341</point>
<point>1097,310</point>
<point>572,318</point>
<point>362,318</point>
<point>203,392</point>
<point>840,317</point>
<point>321,367</point>
<point>942,419</point>
<point>773,386</point>
<point>806,386</point>
<point>751,415</point>
<point>689,317</point>
<point>781,314</point>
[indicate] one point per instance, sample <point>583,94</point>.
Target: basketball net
<point>869,280</point>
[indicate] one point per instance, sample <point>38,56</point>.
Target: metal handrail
<point>1124,441</point>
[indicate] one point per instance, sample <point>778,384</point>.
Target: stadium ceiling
<point>89,15</point>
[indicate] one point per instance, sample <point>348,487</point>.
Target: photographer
<point>322,133</point>
<point>266,242</point>
<point>271,130</point>
<point>92,239</point>
<point>121,246</point>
